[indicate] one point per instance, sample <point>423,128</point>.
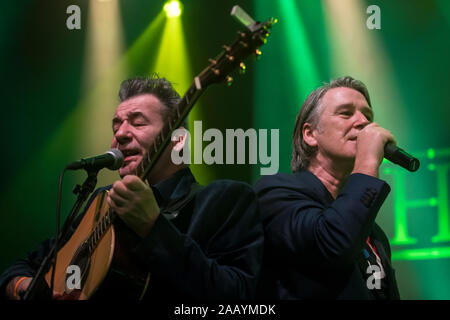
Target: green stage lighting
<point>172,9</point>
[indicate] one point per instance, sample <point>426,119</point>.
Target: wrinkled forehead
<point>147,104</point>
<point>341,96</point>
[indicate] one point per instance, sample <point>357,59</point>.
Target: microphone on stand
<point>111,159</point>
<point>401,157</point>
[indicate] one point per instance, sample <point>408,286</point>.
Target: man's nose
<point>123,134</point>
<point>360,120</point>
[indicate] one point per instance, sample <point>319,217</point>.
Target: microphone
<point>111,159</point>
<point>401,157</point>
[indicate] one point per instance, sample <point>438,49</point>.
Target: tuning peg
<point>258,54</point>
<point>242,68</point>
<point>227,48</point>
<point>212,61</point>
<point>229,81</point>
<point>230,58</point>
<point>271,23</point>
<point>243,44</point>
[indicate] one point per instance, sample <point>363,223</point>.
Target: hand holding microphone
<point>374,143</point>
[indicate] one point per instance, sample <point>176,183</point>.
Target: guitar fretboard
<point>100,229</point>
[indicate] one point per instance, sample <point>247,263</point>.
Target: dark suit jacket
<point>314,243</point>
<point>211,249</point>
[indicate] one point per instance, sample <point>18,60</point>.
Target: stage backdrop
<point>62,62</point>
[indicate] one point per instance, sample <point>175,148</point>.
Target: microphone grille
<point>118,158</point>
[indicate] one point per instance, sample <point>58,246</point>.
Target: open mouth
<point>130,154</point>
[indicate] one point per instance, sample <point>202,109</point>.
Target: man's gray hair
<point>310,113</point>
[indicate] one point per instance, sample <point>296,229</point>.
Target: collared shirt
<point>174,187</point>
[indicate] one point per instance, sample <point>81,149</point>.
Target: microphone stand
<point>38,288</point>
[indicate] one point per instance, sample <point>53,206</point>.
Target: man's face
<point>136,123</point>
<point>345,112</point>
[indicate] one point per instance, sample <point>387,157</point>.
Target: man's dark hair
<point>310,113</point>
<point>153,84</point>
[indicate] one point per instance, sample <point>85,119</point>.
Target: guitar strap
<point>174,207</point>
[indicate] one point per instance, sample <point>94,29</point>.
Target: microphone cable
<point>58,231</point>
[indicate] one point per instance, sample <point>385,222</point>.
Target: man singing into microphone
<point>198,243</point>
<point>321,239</point>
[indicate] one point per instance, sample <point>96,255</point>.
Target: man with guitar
<point>174,239</point>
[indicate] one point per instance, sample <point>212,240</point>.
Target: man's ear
<point>179,137</point>
<point>309,135</point>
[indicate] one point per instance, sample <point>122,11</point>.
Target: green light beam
<point>298,49</point>
<point>173,63</point>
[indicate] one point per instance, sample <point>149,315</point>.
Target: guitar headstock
<point>247,43</point>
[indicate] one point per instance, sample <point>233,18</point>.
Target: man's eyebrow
<point>116,119</point>
<point>136,114</point>
<point>350,105</point>
<point>130,115</point>
<point>344,105</point>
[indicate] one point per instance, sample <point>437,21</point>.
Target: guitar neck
<point>173,121</point>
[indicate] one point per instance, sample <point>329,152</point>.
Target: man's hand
<point>16,287</point>
<point>370,149</point>
<point>135,204</point>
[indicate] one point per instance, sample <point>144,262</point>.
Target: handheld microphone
<point>111,159</point>
<point>401,157</point>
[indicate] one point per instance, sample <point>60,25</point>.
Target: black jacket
<point>314,243</point>
<point>210,250</point>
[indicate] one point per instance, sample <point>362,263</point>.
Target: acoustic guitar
<point>97,243</point>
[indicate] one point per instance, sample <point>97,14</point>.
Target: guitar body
<point>94,266</point>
